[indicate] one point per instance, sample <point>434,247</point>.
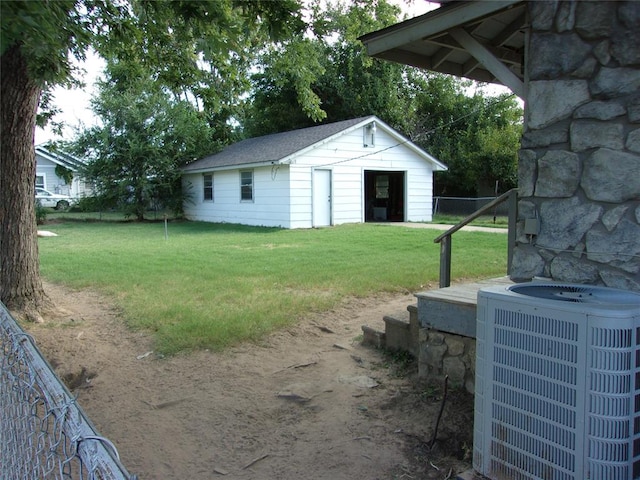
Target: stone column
<point>579,169</point>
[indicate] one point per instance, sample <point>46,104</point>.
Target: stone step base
<point>439,331</point>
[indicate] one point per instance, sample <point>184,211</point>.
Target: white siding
<point>348,194</point>
<point>419,192</point>
<point>55,184</point>
<point>348,159</point>
<point>301,197</point>
<point>283,196</point>
<point>269,208</point>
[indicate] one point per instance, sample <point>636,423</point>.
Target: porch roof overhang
<point>482,40</point>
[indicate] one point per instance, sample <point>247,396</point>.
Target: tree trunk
<point>21,288</point>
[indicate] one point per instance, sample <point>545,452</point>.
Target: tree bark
<point>21,287</point>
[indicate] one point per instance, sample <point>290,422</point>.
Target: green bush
<point>93,204</point>
<point>41,214</point>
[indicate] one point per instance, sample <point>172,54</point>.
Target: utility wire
<point>429,132</point>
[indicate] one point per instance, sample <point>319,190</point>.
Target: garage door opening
<point>384,196</point>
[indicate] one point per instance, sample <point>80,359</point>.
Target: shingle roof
<point>272,148</point>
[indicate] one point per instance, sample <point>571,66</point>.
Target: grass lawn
<point>482,221</point>
<point>213,285</point>
<point>52,214</point>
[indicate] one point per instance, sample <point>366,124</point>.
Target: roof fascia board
<point>290,159</point>
<point>244,166</point>
<point>486,58</point>
<point>430,23</point>
<point>47,156</point>
<point>380,124</point>
<point>402,140</point>
<point>65,160</point>
<point>71,159</point>
<point>52,158</point>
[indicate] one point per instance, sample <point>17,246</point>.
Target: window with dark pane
<point>246,185</point>
<point>208,186</point>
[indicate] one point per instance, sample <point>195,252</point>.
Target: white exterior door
<point>321,198</point>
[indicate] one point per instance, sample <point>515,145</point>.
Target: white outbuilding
<point>353,171</point>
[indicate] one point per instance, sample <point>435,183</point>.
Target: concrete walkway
<point>439,226</point>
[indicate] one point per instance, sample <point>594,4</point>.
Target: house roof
<point>60,158</point>
<point>481,40</point>
<point>284,147</point>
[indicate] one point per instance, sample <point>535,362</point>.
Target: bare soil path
<point>308,402</point>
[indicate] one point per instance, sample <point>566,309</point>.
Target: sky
<point>74,104</point>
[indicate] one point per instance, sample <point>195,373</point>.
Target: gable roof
<point>60,158</point>
<point>284,147</point>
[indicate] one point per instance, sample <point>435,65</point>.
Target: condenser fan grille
<point>557,383</point>
<point>576,293</point>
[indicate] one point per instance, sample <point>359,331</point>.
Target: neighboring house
<point>50,165</point>
<point>345,172</point>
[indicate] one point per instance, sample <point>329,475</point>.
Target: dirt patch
<point>308,402</point>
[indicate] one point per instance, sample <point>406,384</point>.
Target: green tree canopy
<point>325,74</point>
<point>475,135</point>
<point>145,134</point>
<point>38,39</point>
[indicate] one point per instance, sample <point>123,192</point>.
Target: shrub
<point>41,214</point>
<point>93,204</point>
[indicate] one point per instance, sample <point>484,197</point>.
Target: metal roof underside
<point>481,40</point>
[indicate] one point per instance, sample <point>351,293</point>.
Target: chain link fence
<point>44,434</point>
<point>465,205</point>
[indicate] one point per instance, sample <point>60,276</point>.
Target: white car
<point>47,199</point>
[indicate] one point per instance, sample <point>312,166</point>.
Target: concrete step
<point>453,309</point>
<point>400,332</point>
<point>448,310</point>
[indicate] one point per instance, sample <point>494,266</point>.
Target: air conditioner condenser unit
<point>557,383</point>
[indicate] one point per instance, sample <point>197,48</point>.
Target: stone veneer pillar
<point>579,168</point>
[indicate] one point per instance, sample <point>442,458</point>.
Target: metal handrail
<point>445,239</point>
